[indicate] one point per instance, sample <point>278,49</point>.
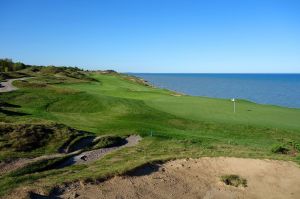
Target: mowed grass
<point>198,108</point>
<point>181,126</point>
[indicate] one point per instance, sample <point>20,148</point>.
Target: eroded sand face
<point>199,178</point>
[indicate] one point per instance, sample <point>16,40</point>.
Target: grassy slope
<point>183,126</point>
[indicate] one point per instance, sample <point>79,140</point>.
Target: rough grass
<point>39,166</point>
<point>11,75</point>
<point>234,180</point>
<point>81,142</point>
<point>171,127</point>
<point>34,139</point>
<point>108,141</point>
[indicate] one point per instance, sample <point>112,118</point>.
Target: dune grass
<point>171,126</point>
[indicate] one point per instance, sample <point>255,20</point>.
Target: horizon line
<point>264,73</point>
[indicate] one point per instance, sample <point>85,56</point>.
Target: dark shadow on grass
<point>12,113</point>
<point>64,147</point>
<point>82,143</point>
<point>68,162</point>
<point>8,105</point>
<point>4,105</point>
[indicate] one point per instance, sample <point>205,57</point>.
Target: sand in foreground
<point>199,178</point>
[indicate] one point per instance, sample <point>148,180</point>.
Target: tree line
<point>7,65</point>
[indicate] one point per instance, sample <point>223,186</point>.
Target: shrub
<point>234,180</point>
<point>297,147</point>
<point>282,149</point>
<point>294,144</point>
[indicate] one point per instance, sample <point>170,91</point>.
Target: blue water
<point>275,89</point>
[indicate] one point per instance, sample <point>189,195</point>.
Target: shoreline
<point>210,97</point>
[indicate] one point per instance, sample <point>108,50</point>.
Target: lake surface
<point>275,89</point>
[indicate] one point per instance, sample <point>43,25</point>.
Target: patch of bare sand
<point>198,178</point>
<point>89,156</point>
<point>6,86</point>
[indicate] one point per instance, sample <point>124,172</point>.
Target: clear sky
<point>215,36</point>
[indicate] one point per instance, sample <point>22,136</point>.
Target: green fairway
<point>181,126</point>
<point>197,108</point>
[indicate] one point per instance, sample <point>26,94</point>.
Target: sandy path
<point>199,178</point>
<point>93,155</point>
<point>6,86</point>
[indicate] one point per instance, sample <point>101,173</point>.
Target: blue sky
<point>215,36</point>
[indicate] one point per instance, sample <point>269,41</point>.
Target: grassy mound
<point>59,73</point>
<point>108,141</point>
<point>31,137</point>
<point>30,84</point>
<point>10,69</point>
<point>11,75</point>
<point>81,142</point>
<point>39,166</point>
<point>89,142</point>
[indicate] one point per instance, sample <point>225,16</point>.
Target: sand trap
<point>92,155</point>
<point>89,156</point>
<point>198,178</point>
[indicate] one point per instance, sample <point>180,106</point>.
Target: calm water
<point>276,89</point>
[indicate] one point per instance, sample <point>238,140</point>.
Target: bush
<point>282,149</point>
<point>294,144</point>
<point>234,180</point>
<point>297,147</point>
<point>7,65</point>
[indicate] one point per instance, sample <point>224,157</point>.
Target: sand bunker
<point>89,156</point>
<point>198,178</point>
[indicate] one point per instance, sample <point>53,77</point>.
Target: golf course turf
<point>172,126</point>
